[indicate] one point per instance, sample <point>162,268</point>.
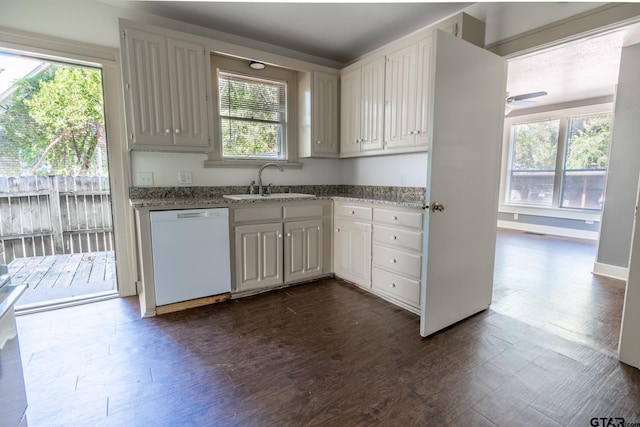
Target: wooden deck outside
<point>58,277</point>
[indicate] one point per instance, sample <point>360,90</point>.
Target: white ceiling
<point>339,33</point>
<point>573,71</point>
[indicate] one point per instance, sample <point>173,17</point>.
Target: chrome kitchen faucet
<point>260,189</point>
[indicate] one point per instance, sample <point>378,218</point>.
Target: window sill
<point>250,164</point>
<point>552,212</point>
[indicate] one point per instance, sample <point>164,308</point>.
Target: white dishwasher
<point>190,254</point>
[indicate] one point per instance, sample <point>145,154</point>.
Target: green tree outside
<point>56,120</point>
<point>589,139</point>
<point>535,145</point>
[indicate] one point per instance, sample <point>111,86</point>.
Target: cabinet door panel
<point>148,89</point>
<point>350,112</point>
<point>401,82</point>
<point>422,105</point>
<point>188,93</point>
<point>325,114</point>
<point>258,256</point>
<point>372,106</point>
<point>303,249</point>
<point>352,252</point>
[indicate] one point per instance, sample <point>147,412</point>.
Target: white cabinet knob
<point>417,132</point>
<point>410,132</point>
<point>177,131</point>
<point>394,237</point>
<point>352,212</point>
<point>167,131</point>
<point>393,285</point>
<point>279,236</point>
<point>288,234</point>
<point>393,261</point>
<point>337,230</point>
<point>395,218</point>
<point>318,142</point>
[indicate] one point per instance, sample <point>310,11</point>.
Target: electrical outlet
<point>144,179</point>
<point>515,216</point>
<point>185,178</point>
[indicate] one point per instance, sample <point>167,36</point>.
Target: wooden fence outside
<point>53,215</point>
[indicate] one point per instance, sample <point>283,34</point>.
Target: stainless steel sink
<point>272,196</point>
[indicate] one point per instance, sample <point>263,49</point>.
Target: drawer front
<point>303,211</point>
<point>398,217</point>
<point>262,213</point>
<point>396,286</point>
<point>399,261</point>
<point>356,212</point>
<point>398,238</point>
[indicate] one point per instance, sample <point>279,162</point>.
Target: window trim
<point>241,66</point>
<point>564,115</point>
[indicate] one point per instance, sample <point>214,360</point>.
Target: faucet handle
<point>268,191</point>
<point>252,189</point>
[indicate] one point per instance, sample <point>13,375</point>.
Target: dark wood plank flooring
<point>329,354</point>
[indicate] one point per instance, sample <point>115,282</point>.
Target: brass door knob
<point>437,207</point>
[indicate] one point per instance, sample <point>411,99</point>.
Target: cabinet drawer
<point>303,211</point>
<point>398,217</point>
<point>402,262</point>
<point>262,213</point>
<point>399,238</point>
<point>357,212</point>
<point>396,286</point>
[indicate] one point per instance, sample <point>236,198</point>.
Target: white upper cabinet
<point>401,94</point>
<point>165,90</point>
<point>319,103</point>
<point>407,96</point>
<point>464,27</point>
<point>405,73</point>
<point>362,107</point>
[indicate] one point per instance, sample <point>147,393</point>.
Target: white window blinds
<point>252,116</point>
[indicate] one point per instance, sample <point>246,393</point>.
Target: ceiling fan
<point>523,99</point>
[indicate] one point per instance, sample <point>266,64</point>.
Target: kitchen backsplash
<point>396,194</point>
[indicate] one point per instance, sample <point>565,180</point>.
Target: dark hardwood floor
<point>330,354</point>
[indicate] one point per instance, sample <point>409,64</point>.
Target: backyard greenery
<point>55,119</point>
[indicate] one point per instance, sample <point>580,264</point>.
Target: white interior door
<point>468,88</point>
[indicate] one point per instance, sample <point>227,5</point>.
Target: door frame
<point>108,60</point>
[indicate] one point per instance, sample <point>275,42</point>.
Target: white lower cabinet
<point>380,249</point>
<point>396,286</point>
<point>352,251</point>
<point>397,255</point>
<point>303,248</point>
<point>377,248</point>
<point>276,244</point>
<point>258,256</point>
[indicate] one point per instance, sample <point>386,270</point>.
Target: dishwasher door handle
<point>188,215</point>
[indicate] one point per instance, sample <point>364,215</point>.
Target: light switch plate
<point>185,178</point>
<point>144,179</point>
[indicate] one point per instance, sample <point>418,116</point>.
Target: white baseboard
<point>608,270</point>
<point>547,229</point>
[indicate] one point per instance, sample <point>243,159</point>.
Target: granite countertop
<point>196,197</point>
<point>219,201</point>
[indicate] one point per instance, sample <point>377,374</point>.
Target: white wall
<point>624,167</point>
<point>403,170</point>
<point>629,349</point>
<point>503,20</point>
<point>166,166</point>
<point>97,23</point>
